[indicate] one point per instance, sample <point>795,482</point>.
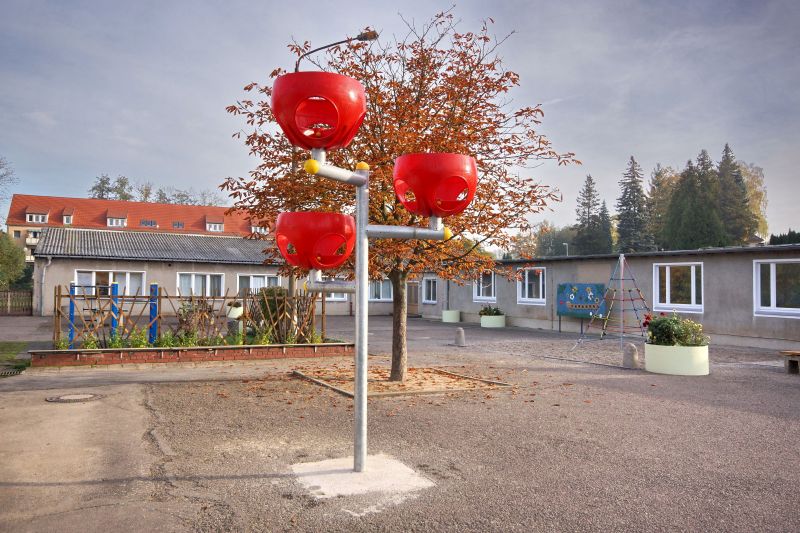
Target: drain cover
<point>74,398</point>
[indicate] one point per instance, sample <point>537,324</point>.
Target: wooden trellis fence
<point>16,303</point>
<point>99,315</point>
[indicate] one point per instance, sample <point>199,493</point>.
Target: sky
<point>140,88</point>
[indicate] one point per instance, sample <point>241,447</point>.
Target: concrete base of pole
<point>335,477</point>
<point>460,338</point>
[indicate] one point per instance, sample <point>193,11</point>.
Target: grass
<point>9,352</point>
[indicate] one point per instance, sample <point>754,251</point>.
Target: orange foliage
<point>436,90</point>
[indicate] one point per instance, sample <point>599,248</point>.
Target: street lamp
<point>567,246</point>
<point>370,35</point>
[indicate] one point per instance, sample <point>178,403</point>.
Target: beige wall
<point>22,240</point>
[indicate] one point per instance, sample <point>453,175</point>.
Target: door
<point>412,298</point>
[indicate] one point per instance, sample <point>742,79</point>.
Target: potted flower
<point>235,310</point>
<point>675,346</point>
<point>492,317</point>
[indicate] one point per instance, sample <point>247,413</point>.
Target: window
<point>259,229</point>
<point>212,226</point>
<point>776,288</point>
<point>531,287</point>
<point>256,283</point>
<point>483,288</point>
<point>17,234</point>
<point>36,218</point>
<point>177,224</point>
<point>67,220</point>
<point>334,296</point>
<point>148,223</point>
<point>429,291</point>
<point>678,286</point>
<point>34,234</point>
<point>198,284</point>
<point>98,282</point>
<point>380,290</point>
<point>117,222</point>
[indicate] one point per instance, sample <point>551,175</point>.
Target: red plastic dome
<point>435,184</point>
<point>315,240</point>
<point>318,109</point>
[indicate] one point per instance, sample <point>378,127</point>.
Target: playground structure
<point>321,112</point>
<point>617,303</point>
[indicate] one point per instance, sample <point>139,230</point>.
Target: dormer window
<point>259,229</point>
<point>36,218</point>
<point>117,222</point>
<point>148,223</point>
<point>214,226</point>
<point>67,220</point>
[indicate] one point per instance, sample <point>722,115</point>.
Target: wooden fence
<point>97,316</point>
<point>16,303</point>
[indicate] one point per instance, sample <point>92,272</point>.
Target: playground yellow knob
<point>448,233</point>
<point>362,166</point>
<point>311,166</point>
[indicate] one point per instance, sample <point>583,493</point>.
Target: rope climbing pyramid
<point>626,308</point>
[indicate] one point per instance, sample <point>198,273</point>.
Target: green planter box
<point>451,316</point>
<point>676,360</point>
<point>497,321</point>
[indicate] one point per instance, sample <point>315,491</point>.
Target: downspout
<point>41,284</point>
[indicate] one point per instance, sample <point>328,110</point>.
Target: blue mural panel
<point>581,300</point>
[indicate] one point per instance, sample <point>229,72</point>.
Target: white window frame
<point>116,222</point>
<point>425,282</point>
<point>208,283</point>
<point>383,297</point>
<point>258,229</point>
<point>334,296</point>
<point>522,283</point>
<point>772,311</point>
<point>67,220</point>
<point>682,308</point>
<point>145,290</point>
<point>265,276</point>
<point>215,227</point>
<point>477,297</point>
<point>36,218</point>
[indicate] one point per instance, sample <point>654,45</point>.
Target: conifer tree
<point>632,211</point>
<point>605,240</point>
<point>662,184</point>
<point>692,218</point>
<point>734,205</point>
<point>587,226</point>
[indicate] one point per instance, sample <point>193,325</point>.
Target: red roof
<point>91,213</point>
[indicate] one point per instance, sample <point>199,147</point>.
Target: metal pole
<point>114,309</point>
<point>71,316</point>
<point>621,298</point>
<point>362,314</point>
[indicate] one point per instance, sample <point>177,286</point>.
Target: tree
<point>790,237</point>
<point>550,240</point>
<point>7,178</point>
<point>12,261</point>
<point>692,219</point>
<point>661,187</point>
<point>734,206</point>
<point>523,245</point>
<point>433,90</point>
<point>605,239</point>
<point>588,237</point>
<point>102,188</point>
<point>122,189</point>
<point>756,194</point>
<point>632,211</point>
<point>144,191</point>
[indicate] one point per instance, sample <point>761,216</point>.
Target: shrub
<point>61,344</point>
<point>672,330</point>
<point>488,310</point>
<point>166,340</point>
<point>115,342</point>
<point>90,342</point>
<point>138,338</point>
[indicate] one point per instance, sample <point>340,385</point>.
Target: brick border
<point>60,358</point>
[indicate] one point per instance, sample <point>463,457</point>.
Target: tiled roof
<point>91,213</point>
<point>149,246</point>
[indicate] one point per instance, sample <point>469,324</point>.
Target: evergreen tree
<point>692,218</point>
<point>790,237</point>
<point>632,211</point>
<point>662,184</point>
<point>587,227</point>
<point>734,206</point>
<point>605,240</point>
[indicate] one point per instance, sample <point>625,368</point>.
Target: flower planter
<point>676,360</point>
<point>493,321</point>
<point>451,315</point>
<point>235,312</point>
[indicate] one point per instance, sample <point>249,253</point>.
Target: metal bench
<point>792,361</point>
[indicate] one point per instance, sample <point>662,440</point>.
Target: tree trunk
<point>399,314</point>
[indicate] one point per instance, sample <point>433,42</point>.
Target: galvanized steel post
<point>362,314</point>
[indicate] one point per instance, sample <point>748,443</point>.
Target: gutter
<point>41,284</point>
